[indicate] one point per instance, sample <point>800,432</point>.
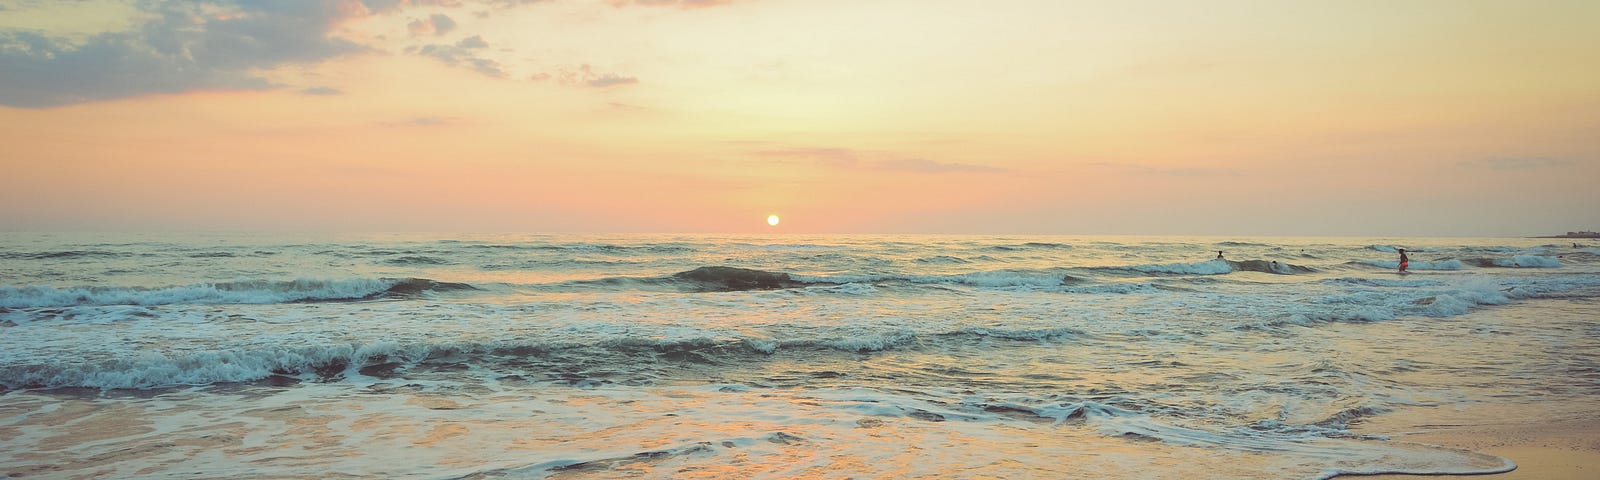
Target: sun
<point>772,220</point>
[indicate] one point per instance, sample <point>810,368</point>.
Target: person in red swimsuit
<point>1403,261</point>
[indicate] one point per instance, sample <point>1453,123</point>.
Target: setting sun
<point>772,220</point>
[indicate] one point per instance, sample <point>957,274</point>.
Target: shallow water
<point>524,356</point>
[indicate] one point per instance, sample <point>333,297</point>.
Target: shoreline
<point>1545,449</point>
<point>1554,435</point>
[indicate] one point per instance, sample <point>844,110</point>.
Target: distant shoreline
<point>1573,235</point>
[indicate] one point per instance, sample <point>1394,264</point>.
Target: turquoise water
<point>448,356</point>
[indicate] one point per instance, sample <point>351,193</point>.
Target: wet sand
<point>1558,443</point>
<point>1553,434</point>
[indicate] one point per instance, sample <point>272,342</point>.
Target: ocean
<point>443,356</point>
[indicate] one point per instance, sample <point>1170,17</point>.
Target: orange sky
<point>1148,117</point>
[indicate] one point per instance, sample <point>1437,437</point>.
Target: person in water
<point>1219,254</point>
<point>1404,262</point>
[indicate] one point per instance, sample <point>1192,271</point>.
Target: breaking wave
<point>1519,261</point>
<point>580,361</point>
<point>242,292</point>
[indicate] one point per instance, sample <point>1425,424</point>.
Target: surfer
<point>1219,254</point>
<point>1404,262</point>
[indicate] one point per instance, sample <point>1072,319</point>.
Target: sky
<point>1181,117</point>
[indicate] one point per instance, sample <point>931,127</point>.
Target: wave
<point>212,255</point>
<point>241,292</point>
<point>734,279</point>
<point>1316,452</point>
<point>590,247</point>
<point>1328,440</point>
<point>417,260</point>
<point>1270,266</point>
<point>561,361</point>
<point>1379,282</point>
<point>1519,261</point>
<point>62,255</point>
<point>1031,246</point>
<point>1214,267</point>
<point>1000,279</point>
<point>1241,244</point>
<point>1393,264</point>
<point>1208,267</point>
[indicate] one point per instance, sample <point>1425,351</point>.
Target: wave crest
<point>240,292</point>
<point>736,279</point>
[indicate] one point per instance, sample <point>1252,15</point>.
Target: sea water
<point>697,356</point>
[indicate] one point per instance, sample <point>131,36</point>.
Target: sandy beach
<point>1559,446</point>
<point>1556,437</point>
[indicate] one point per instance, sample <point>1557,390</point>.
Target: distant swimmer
<point>1219,254</point>
<point>1404,262</point>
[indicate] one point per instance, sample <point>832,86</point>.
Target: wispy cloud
<point>585,76</point>
<point>462,53</point>
<point>176,46</point>
<point>611,80</point>
<point>1517,163</point>
<point>322,91</point>
<point>669,3</point>
<point>182,46</point>
<point>510,3</point>
<point>436,24</point>
<point>391,6</point>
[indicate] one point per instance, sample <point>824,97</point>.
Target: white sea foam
<point>872,343</point>
<point>1004,278</point>
<point>1209,267</point>
<point>1528,261</point>
<point>1418,265</point>
<point>243,292</point>
<point>1024,356</point>
<point>862,289</point>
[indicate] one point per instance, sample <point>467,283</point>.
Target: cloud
<point>510,3</point>
<point>669,3</point>
<point>1517,163</point>
<point>322,91</point>
<point>585,76</point>
<point>183,46</point>
<point>462,53</point>
<point>475,41</point>
<point>611,80</point>
<point>436,24</point>
<point>391,6</point>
